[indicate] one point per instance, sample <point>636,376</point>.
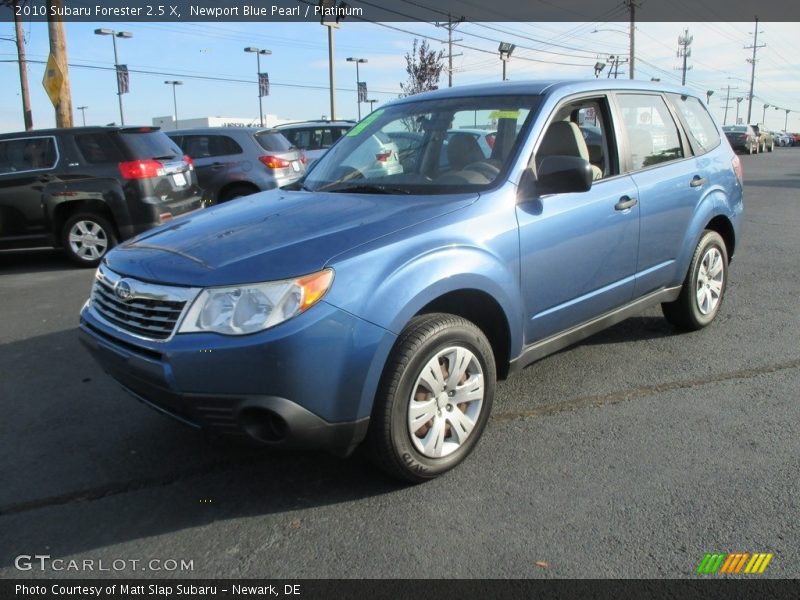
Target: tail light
<point>141,169</point>
<point>490,141</point>
<point>188,160</point>
<point>737,168</point>
<point>383,156</point>
<point>274,162</point>
<point>303,158</point>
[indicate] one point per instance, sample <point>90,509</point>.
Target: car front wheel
<point>86,237</point>
<point>435,398</point>
<point>704,287</point>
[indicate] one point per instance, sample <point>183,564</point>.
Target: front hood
<point>271,235</point>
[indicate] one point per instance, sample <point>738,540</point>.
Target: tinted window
<point>700,126</point>
<point>652,133</point>
<point>97,148</point>
<point>204,146</point>
<point>273,141</point>
<point>149,144</point>
<point>28,154</point>
<point>312,138</point>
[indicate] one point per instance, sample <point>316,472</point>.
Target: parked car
<point>766,143</point>
<point>237,161</point>
<point>742,137</point>
<point>782,139</point>
<point>86,188</point>
<point>362,306</point>
<point>315,137</point>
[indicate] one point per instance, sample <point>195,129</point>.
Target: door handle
<point>697,181</point>
<point>625,203</point>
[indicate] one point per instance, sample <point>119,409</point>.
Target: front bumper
<point>307,383</point>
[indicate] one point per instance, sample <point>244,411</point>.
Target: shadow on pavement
<point>34,261</point>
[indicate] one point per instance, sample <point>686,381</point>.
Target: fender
<point>93,191</point>
<point>713,204</point>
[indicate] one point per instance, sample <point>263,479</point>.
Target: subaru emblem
<point>123,290</point>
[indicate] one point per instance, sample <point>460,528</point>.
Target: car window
<point>312,138</point>
<point>700,127</point>
<point>147,143</point>
<point>653,136</point>
<point>581,128</point>
<point>398,149</point>
<point>27,154</point>
<point>97,148</point>
<point>272,141</point>
<point>205,146</point>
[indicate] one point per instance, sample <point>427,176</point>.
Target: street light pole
<point>358,80</point>
<point>505,50</point>
<point>83,113</point>
<point>786,120</point>
<point>259,52</point>
<point>174,98</point>
<point>738,103</point>
<point>764,116</point>
<point>114,35</point>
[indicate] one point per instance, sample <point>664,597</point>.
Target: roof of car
<point>539,87</point>
<point>77,130</point>
<point>343,122</point>
<point>197,130</point>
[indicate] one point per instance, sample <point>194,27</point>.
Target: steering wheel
<point>487,170</point>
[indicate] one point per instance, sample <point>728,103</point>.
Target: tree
<point>424,67</point>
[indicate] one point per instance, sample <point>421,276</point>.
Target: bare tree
<point>424,67</point>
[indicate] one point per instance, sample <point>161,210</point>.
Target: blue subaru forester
<point>376,306</point>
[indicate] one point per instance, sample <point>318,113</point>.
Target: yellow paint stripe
<point>727,564</point>
<point>765,563</point>
<point>758,562</point>
<point>752,562</point>
<point>739,566</point>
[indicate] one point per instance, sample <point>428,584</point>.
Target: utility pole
<point>450,26</point>
<point>632,6</point>
<point>58,49</point>
<point>727,101</point>
<point>23,67</point>
<point>685,41</point>
<point>752,61</point>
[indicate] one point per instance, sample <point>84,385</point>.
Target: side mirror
<point>563,174</point>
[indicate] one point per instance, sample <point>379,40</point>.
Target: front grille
<point>151,312</point>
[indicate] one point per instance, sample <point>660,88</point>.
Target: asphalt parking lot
<point>630,455</point>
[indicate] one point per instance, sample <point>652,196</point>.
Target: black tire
<point>771,147</point>
<point>101,229</point>
<point>237,191</point>
<point>389,440</point>
<point>686,312</point>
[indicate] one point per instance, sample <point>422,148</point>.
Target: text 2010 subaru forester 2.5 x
<point>363,306</point>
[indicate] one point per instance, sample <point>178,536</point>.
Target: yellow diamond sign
<point>53,80</point>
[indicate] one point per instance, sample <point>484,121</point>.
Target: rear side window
<point>98,148</point>
<point>273,141</point>
<point>204,146</point>
<point>652,133</point>
<point>313,138</point>
<point>27,154</point>
<point>147,144</point>
<point>700,127</point>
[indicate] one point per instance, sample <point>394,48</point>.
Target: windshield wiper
<point>373,188</point>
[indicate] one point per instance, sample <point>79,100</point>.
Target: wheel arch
<point>64,210</point>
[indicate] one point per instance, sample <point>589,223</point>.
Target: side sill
<point>559,341</point>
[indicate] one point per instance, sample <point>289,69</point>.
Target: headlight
<point>243,309</point>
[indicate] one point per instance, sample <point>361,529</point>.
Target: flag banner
<point>123,79</point>
<point>263,84</point>
<point>362,91</point>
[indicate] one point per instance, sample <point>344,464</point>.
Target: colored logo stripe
<point>727,564</point>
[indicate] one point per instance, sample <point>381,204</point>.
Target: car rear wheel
<point>87,237</point>
<point>434,400</point>
<point>704,287</point>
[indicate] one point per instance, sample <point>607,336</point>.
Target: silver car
<point>238,161</point>
<point>315,137</point>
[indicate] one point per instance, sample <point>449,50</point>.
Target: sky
<point>204,55</point>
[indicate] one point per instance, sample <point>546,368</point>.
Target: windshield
<point>427,147</point>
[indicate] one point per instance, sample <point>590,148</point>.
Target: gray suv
<point>238,161</point>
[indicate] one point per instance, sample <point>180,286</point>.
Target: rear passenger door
<point>215,158</point>
<point>656,155</point>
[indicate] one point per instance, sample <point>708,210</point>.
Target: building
<point>169,122</point>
